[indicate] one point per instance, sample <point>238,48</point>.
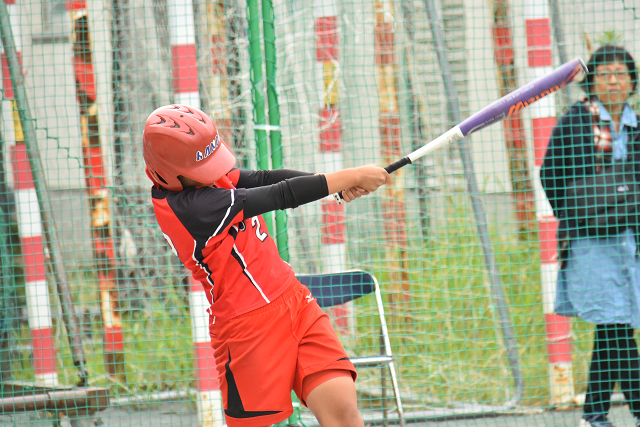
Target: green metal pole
<point>257,92</point>
<point>6,279</point>
<point>6,289</point>
<point>275,134</point>
<point>17,80</point>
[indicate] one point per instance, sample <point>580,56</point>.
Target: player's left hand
<point>353,193</point>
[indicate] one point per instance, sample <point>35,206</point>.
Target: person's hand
<point>358,181</point>
<point>353,193</point>
<point>371,177</point>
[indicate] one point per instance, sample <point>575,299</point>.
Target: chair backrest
<point>338,288</point>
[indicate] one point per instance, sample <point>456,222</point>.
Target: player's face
<point>612,83</point>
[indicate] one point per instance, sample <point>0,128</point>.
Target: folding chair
<point>339,288</point>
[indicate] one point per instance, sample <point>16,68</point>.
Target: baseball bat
<point>498,110</point>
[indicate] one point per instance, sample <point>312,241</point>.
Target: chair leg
<point>396,392</point>
<point>383,384</point>
<point>386,347</point>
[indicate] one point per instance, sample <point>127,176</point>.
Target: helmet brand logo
<point>209,150</point>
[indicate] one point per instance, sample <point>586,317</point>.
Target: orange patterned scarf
<point>603,146</point>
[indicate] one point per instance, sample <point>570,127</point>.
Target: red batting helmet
<point>182,140</point>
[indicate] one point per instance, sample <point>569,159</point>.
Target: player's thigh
<point>319,349</point>
<point>334,402</point>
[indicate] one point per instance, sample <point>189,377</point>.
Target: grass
<point>446,337</point>
<point>158,347</point>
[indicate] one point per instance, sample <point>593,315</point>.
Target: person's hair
<point>609,54</point>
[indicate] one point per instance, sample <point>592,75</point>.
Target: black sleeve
<point>287,194</point>
<point>252,179</point>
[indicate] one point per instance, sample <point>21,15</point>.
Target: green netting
<point>98,324</point>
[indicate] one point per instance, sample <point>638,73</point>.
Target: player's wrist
<point>356,176</point>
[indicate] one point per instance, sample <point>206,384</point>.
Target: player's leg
<point>334,401</point>
<point>325,376</point>
<point>256,357</point>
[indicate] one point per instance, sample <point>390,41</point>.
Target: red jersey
<point>236,260</point>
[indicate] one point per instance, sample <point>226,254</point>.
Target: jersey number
<point>256,223</point>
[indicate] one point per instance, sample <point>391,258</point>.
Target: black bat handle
<point>397,165</point>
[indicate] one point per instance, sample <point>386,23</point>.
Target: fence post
<point>543,119</point>
<point>29,226</point>
<point>33,254</point>
<point>97,191</point>
<point>330,152</point>
<point>40,204</point>
<point>393,201</point>
<point>6,287</point>
<point>516,142</point>
<point>257,94</point>
<point>185,89</point>
<point>275,132</point>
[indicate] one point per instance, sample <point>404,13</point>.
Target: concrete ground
<point>620,417</point>
<point>177,416</point>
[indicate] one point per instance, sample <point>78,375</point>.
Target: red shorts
<point>264,354</point>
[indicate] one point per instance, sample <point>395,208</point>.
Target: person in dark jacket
<point>599,278</point>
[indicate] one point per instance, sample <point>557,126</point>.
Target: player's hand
<point>368,178</point>
<point>353,193</point>
<point>371,177</point>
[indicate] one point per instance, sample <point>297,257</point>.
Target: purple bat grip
<point>524,96</point>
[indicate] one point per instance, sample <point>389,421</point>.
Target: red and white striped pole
<point>30,227</point>
<point>98,191</point>
<point>185,89</point>
<point>393,204</point>
<point>219,84</point>
<point>30,230</point>
<point>210,411</point>
<point>183,53</point>
<point>543,113</point>
<point>330,157</point>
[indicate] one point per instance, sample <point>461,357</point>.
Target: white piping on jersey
<point>195,243</point>
<point>233,200</point>
<point>246,272</point>
<point>202,266</point>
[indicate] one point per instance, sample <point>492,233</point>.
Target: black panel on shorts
<point>235,408</point>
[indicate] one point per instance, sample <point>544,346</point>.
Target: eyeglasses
<point>606,75</point>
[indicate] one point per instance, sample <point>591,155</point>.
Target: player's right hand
<point>353,193</point>
<point>371,177</point>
